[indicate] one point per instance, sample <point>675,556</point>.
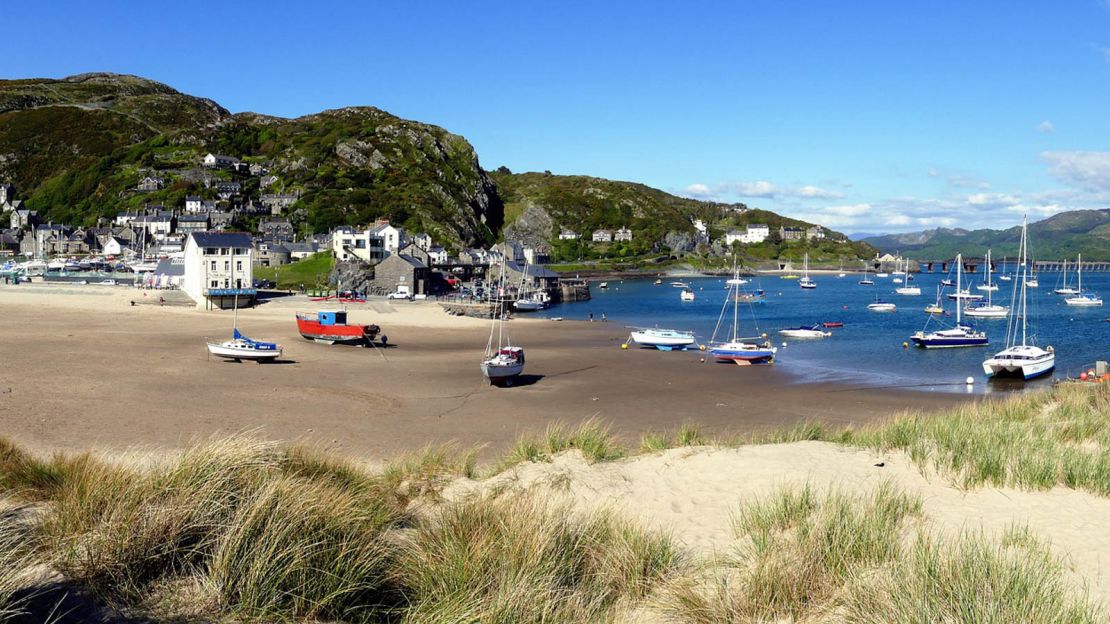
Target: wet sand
<point>81,371</point>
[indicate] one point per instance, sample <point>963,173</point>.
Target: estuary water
<point>868,350</point>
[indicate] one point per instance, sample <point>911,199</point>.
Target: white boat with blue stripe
<point>663,339</point>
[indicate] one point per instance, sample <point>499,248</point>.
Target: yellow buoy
<point>701,347</point>
<point>624,345</point>
<point>905,345</point>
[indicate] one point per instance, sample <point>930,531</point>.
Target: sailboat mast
<point>959,275</point>
<point>1024,299</point>
<point>1079,271</point>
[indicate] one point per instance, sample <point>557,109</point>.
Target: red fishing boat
<point>330,327</point>
<point>833,324</point>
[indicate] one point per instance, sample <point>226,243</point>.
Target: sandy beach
<point>82,368</point>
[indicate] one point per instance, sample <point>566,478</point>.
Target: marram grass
<point>863,559</point>
<point>242,530</point>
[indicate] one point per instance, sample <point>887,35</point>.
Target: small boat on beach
<point>242,348</point>
<point>662,339</point>
<point>502,362</point>
<point>330,327</point>
<point>736,349</point>
<point>812,331</point>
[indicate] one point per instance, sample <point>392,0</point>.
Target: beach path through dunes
<point>79,371</point>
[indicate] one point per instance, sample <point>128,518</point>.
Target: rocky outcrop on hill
<point>534,228</point>
<point>355,275</point>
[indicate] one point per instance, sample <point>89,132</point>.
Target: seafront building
<point>218,268</point>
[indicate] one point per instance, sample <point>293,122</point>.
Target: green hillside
<point>77,147</point>
<point>1061,236</point>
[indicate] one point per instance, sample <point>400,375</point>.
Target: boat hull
<point>336,334</point>
<point>503,373</point>
<point>528,305</point>
<point>804,333</point>
<point>997,368</point>
<point>987,312</point>
<point>944,342</point>
<point>243,353</point>
<point>662,342</point>
<point>747,354</point>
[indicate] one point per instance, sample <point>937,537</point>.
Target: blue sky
<point>864,116</point>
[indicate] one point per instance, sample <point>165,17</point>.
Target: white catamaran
<point>1024,360</point>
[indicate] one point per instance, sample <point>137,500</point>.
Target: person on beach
<point>591,317</point>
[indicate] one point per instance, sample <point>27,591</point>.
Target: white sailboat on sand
<point>736,350</point>
<point>503,362</point>
<point>1023,360</point>
<point>240,347</point>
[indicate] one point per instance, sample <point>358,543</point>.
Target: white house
<point>113,246</point>
<point>157,226</point>
<point>437,254</point>
<point>216,260</point>
<point>623,234</point>
<point>219,161</point>
<point>193,203</point>
<point>700,226</point>
<point>392,237</point>
<point>348,243</point>
<point>423,240</point>
<point>568,235</point>
<point>734,236</point>
<point>815,232</point>
<point>603,236</point>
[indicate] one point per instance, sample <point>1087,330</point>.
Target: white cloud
<point>698,190</point>
<point>1087,170</point>
<point>759,188</point>
<point>991,199</point>
<point>1046,126</point>
<point>813,192</point>
<point>852,210</point>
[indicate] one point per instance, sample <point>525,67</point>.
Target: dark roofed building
<point>399,269</point>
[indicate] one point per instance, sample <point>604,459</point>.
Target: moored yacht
<point>1024,360</point>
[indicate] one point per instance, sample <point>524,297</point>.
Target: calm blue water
<point>868,349</point>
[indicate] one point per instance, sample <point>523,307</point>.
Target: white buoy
<point>971,381</point>
<point>784,344</point>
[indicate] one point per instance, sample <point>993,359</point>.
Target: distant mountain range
<point>1060,236</point>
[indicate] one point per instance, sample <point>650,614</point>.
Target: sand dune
<point>693,493</point>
